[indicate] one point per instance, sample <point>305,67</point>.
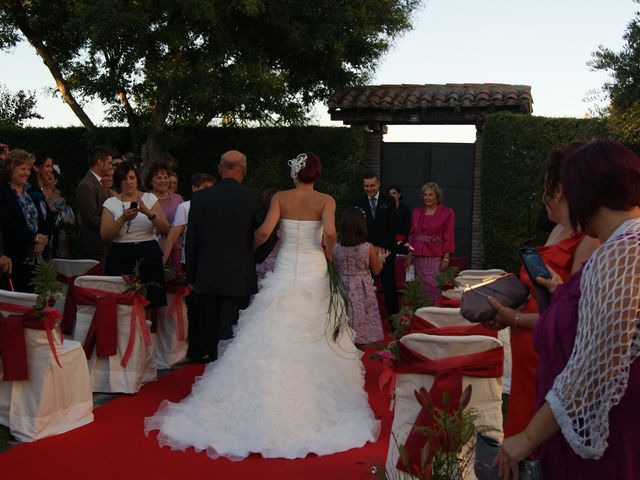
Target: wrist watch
<point>152,216</point>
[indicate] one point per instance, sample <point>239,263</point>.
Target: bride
<point>284,387</point>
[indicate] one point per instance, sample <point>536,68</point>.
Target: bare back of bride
<point>283,388</point>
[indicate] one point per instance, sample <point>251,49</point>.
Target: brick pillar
<point>373,150</point>
<point>476,221</point>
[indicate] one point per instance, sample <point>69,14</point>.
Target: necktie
<point>373,201</point>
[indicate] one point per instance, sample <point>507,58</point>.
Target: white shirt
<point>182,218</point>
<point>140,229</point>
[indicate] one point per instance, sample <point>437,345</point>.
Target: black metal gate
<point>450,165</point>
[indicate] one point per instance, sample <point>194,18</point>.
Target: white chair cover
<point>107,374</point>
<point>486,397</point>
<point>449,317</point>
<point>169,350</point>
<point>53,400</point>
<point>70,268</point>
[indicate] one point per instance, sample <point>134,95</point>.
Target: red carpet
<point>114,446</point>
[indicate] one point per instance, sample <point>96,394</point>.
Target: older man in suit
<point>380,210</point>
<point>221,262</point>
<point>90,195</point>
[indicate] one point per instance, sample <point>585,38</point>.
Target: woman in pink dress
<point>431,238</point>
<point>588,340</point>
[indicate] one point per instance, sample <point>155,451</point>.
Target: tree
<point>623,89</point>
<point>155,63</point>
<point>17,107</point>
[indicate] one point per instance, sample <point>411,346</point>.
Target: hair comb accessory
<point>297,164</point>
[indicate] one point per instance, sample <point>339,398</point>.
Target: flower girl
<point>357,260</point>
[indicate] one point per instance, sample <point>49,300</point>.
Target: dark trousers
<point>388,280</point>
<point>219,314</point>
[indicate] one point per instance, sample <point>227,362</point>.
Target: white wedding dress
<point>282,388</point>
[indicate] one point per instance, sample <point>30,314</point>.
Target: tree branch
<point>61,83</point>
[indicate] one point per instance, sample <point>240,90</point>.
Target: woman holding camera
<point>130,221</point>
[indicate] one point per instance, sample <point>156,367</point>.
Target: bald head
<point>233,164</point>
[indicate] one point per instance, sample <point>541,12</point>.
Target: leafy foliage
<point>446,278</point>
<point>514,148</point>
<point>16,108</point>
<point>623,88</point>
<point>155,63</point>
<point>45,284</point>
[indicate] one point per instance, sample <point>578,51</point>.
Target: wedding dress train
<point>282,388</point>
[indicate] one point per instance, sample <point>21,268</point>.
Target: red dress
<point>522,400</point>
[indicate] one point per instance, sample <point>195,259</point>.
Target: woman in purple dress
<point>157,181</point>
<point>588,379</point>
<point>431,238</point>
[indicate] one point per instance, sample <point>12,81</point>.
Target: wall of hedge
<point>342,151</point>
<point>514,149</point>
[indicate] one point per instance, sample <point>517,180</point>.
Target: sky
<point>542,43</point>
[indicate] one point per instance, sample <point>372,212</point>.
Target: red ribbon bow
<point>13,348</point>
<point>70,304</point>
<point>103,331</point>
<point>179,292</point>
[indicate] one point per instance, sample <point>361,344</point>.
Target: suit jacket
<point>220,257</point>
<point>89,199</point>
<point>381,228</point>
<point>16,236</point>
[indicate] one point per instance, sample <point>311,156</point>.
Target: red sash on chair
<point>13,348</point>
<point>448,374</point>
<point>179,292</point>
<point>103,331</point>
<point>70,305</point>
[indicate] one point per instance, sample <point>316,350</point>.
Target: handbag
<point>507,289</point>
<point>486,450</point>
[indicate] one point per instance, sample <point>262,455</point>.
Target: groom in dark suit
<point>221,262</point>
<point>380,210</point>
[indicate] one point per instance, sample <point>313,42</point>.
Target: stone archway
<point>374,107</point>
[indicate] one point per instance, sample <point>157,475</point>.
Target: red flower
<point>399,238</point>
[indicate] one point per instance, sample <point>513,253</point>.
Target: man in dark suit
<point>381,217</point>
<point>90,195</point>
<point>221,263</point>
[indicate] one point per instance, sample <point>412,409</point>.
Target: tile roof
<point>458,96</point>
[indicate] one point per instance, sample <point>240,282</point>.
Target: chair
<point>449,317</point>
<point>67,271</point>
<point>53,399</point>
<point>170,339</point>
<point>107,372</point>
<point>486,396</point>
<point>441,317</point>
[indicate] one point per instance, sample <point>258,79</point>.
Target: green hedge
<point>342,151</point>
<point>514,149</point>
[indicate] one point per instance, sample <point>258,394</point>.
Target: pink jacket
<point>432,235</point>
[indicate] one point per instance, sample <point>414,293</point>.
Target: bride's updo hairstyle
<point>306,167</point>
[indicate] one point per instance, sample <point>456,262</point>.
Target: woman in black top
<point>403,220</point>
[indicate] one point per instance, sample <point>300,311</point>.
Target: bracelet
<point>515,322</point>
<point>151,217</point>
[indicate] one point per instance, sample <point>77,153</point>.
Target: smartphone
<point>533,264</point>
<point>535,268</point>
<point>133,205</point>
